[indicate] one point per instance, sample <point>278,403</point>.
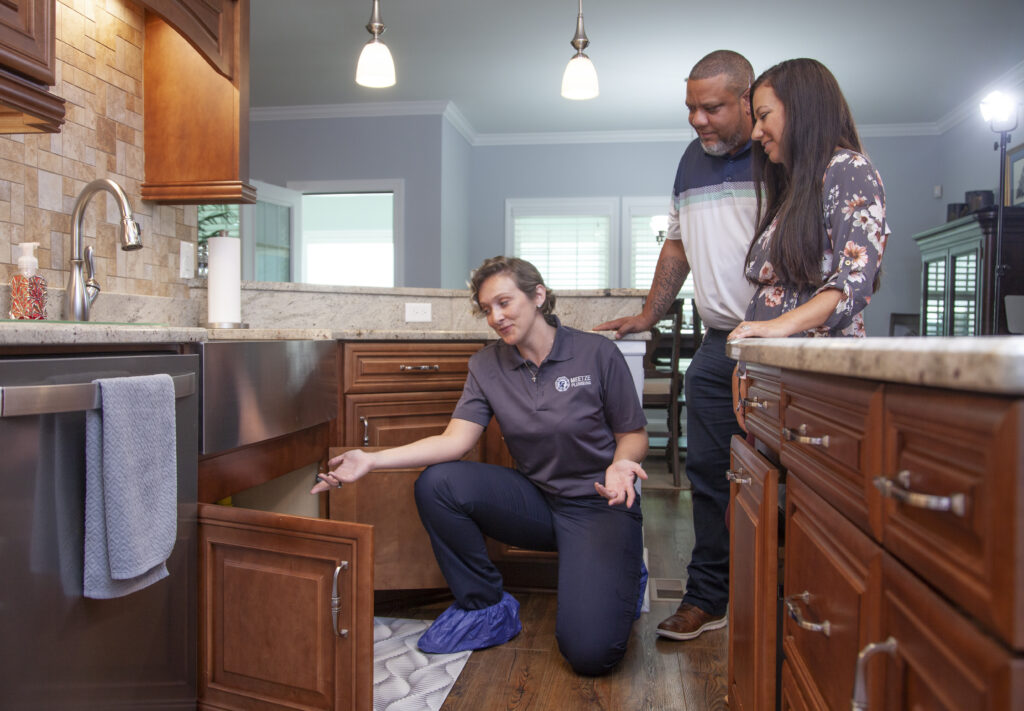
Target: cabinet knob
<point>366,431</point>
<point>899,489</point>
<point>800,435</point>
<point>860,684</point>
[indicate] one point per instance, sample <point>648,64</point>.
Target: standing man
<point>711,224</point>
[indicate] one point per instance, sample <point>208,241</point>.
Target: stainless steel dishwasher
<point>59,650</point>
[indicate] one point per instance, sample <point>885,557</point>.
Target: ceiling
<point>500,62</point>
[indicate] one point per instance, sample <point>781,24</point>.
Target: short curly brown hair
<point>526,276</point>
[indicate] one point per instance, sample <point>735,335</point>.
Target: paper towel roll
<point>224,280</point>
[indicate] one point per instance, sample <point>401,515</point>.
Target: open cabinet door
<point>285,612</point>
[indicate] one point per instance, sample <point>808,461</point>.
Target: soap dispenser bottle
<point>28,289</point>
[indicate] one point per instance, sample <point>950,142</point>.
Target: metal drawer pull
<point>800,435</point>
<point>336,600</point>
<point>420,368</point>
<point>899,489</point>
<point>366,431</point>
<point>794,612</point>
<point>755,404</point>
<point>860,685</point>
<point>737,476</point>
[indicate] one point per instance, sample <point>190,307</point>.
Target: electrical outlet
<point>187,261</point>
<point>937,191</point>
<point>417,312</point>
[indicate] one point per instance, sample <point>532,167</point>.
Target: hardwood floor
<point>528,673</point>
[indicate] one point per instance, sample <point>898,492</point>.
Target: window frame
<point>395,186</point>
<point>597,206</point>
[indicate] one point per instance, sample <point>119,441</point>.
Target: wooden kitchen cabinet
<point>753,578</point>
<point>958,261</point>
<point>903,509</point>
<point>392,394</point>
<point>832,583</point>
<point>959,451</point>
<point>27,67</point>
<point>197,102</point>
<point>285,612</point>
<point>831,436</point>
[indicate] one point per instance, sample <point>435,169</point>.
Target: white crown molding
<point>367,110</point>
<point>1012,80</point>
<point>898,130</point>
<point>574,137</point>
<point>460,123</point>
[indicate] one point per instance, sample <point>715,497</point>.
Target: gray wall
<point>455,192</point>
<point>407,147</point>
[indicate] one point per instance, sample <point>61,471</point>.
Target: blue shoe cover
<point>457,630</point>
<point>643,588</point>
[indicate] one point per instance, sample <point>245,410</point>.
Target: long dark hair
<point>817,121</point>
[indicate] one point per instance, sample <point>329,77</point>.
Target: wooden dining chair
<point>663,382</point>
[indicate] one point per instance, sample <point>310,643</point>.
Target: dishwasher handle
<point>21,400</point>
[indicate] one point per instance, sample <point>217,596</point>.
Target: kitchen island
<point>899,468</point>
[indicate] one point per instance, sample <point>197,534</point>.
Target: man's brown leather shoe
<point>688,622</point>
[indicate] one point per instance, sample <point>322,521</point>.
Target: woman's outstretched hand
<point>618,482</point>
<point>344,469</point>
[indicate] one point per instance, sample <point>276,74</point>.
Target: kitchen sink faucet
<point>82,291</point>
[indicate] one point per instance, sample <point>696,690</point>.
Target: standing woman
<point>821,229</point>
<point>572,420</point>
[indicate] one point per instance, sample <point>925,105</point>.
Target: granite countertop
<point>30,333</point>
<point>993,364</point>
<point>35,333</point>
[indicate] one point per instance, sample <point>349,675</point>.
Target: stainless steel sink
<point>253,391</point>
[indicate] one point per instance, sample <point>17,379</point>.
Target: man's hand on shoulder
<point>624,325</point>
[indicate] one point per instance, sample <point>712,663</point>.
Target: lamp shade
<point>579,82</point>
<point>997,107</point>
<point>376,68</point>
<point>659,223</point>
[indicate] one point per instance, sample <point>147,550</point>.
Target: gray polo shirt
<point>560,429</point>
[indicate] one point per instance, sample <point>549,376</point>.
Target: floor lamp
<point>1000,111</point>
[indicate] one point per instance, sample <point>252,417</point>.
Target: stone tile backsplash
<point>99,75</point>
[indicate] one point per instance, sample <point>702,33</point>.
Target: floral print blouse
<point>853,208</point>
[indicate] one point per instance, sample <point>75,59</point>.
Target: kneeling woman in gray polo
<point>572,421</point>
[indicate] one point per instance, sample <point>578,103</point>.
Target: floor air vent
<point>666,589</point>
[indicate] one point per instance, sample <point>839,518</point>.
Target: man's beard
<point>724,146</point>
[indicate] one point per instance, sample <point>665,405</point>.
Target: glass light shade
<point>659,223</point>
<point>376,68</point>
<point>580,79</point>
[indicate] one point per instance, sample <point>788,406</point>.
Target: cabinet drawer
<point>962,451</point>
<point>832,585</point>
<point>404,367</point>
<point>762,404</point>
<point>832,438</point>
<point>753,578</point>
<point>942,661</point>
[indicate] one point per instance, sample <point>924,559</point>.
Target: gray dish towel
<point>131,500</point>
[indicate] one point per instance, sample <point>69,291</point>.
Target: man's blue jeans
<point>710,425</point>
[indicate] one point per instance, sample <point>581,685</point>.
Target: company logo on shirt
<point>563,383</point>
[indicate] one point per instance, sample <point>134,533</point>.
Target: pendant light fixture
<point>376,68</point>
<point>580,79</point>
